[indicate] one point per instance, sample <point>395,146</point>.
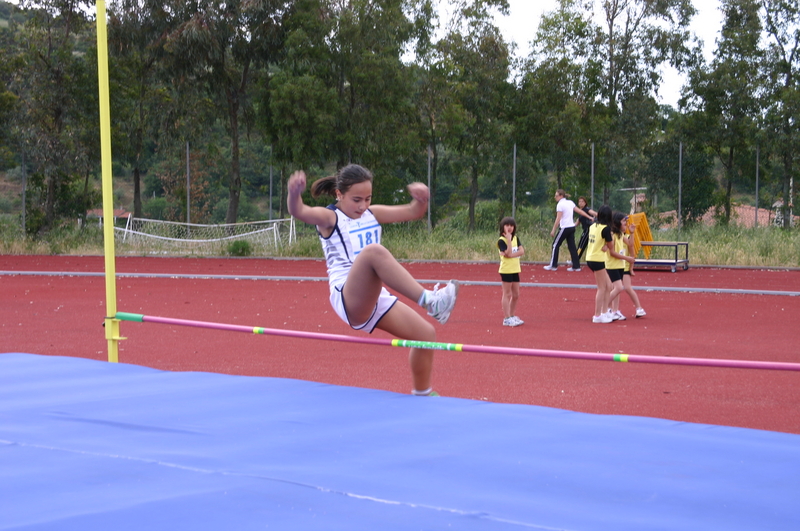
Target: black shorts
<point>615,274</point>
<point>626,272</point>
<point>509,277</point>
<point>596,266</point>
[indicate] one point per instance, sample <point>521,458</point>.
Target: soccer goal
<point>155,236</point>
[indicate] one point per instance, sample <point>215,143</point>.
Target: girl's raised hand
<point>419,192</point>
<point>297,183</point>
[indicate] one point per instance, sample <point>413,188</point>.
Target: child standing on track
<point>510,250</point>
<point>359,266</point>
<point>596,251</point>
<point>618,258</point>
<point>626,247</point>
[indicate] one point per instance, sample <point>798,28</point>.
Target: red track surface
<point>62,315</point>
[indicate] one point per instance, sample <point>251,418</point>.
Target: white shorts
<point>385,302</point>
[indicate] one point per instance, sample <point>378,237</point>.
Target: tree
<point>556,99</point>
<point>725,97</point>
<point>136,34</point>
<point>478,65</point>
<point>58,101</point>
<point>782,24</point>
<point>218,43</point>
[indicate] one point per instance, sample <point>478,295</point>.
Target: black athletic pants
<point>565,233</point>
<point>584,241</point>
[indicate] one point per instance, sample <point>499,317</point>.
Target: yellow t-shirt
<point>616,263</point>
<point>509,265</point>
<point>623,249</point>
<point>594,252</point>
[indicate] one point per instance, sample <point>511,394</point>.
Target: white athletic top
<point>567,209</point>
<point>348,238</point>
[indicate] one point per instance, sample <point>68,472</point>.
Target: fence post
<point>592,198</point>
<point>680,182</point>
<point>758,155</point>
<point>514,184</point>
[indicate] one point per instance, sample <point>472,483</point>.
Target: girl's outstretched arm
<point>412,210</point>
<point>322,217</point>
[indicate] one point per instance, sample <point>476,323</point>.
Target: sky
<point>520,27</point>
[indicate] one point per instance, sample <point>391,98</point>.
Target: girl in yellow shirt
<point>510,250</point>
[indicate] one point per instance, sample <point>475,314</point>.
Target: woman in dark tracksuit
<point>585,224</point>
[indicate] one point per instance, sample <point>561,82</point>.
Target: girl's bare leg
<point>603,291</point>
<point>374,267</point>
<point>507,300</point>
<point>405,323</point>
<point>613,297</point>
<point>512,307</point>
<point>626,280</point>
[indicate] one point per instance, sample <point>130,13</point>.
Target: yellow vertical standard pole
<point>111,323</point>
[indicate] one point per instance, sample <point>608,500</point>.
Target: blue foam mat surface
<point>93,445</point>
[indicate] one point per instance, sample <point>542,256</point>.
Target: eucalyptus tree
<point>8,99</point>
<point>341,92</point>
<point>595,73</point>
<point>782,24</point>
<point>724,98</point>
<point>137,30</point>
<point>558,95</point>
<point>432,96</point>
<point>634,40</point>
<point>218,44</point>
<point>477,61</point>
<point>681,144</point>
<point>58,110</point>
<point>299,102</point>
<point>377,121</point>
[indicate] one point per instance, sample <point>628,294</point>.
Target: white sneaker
<point>517,320</point>
<point>640,312</point>
<point>602,318</point>
<point>550,268</point>
<point>573,269</point>
<point>617,316</point>
<point>442,301</point>
<point>507,321</point>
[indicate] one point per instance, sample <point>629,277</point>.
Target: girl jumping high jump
<point>359,266</point>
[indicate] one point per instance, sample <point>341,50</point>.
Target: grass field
<point>724,246</point>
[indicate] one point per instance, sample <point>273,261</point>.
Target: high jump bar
<point>596,356</point>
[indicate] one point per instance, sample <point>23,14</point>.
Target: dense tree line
<point>248,89</point>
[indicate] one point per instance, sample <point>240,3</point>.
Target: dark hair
<point>616,222</point>
<point>584,200</point>
<point>604,215</point>
<point>345,178</point>
<point>508,220</point>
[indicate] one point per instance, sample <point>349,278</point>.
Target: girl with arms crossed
<point>359,266</point>
<point>510,250</point>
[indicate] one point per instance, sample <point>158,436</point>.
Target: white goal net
<point>156,236</point>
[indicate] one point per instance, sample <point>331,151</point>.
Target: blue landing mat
<point>90,445</point>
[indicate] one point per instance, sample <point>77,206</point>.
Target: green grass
<point>731,246</point>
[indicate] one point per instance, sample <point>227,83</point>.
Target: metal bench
<point>673,262</point>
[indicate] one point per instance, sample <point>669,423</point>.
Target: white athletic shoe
<point>640,312</point>
<point>442,301</point>
<point>550,268</point>
<point>602,318</point>
<point>617,316</point>
<point>576,269</point>
<point>517,320</point>
<point>508,321</point>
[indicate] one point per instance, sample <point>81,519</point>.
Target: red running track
<point>62,315</point>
